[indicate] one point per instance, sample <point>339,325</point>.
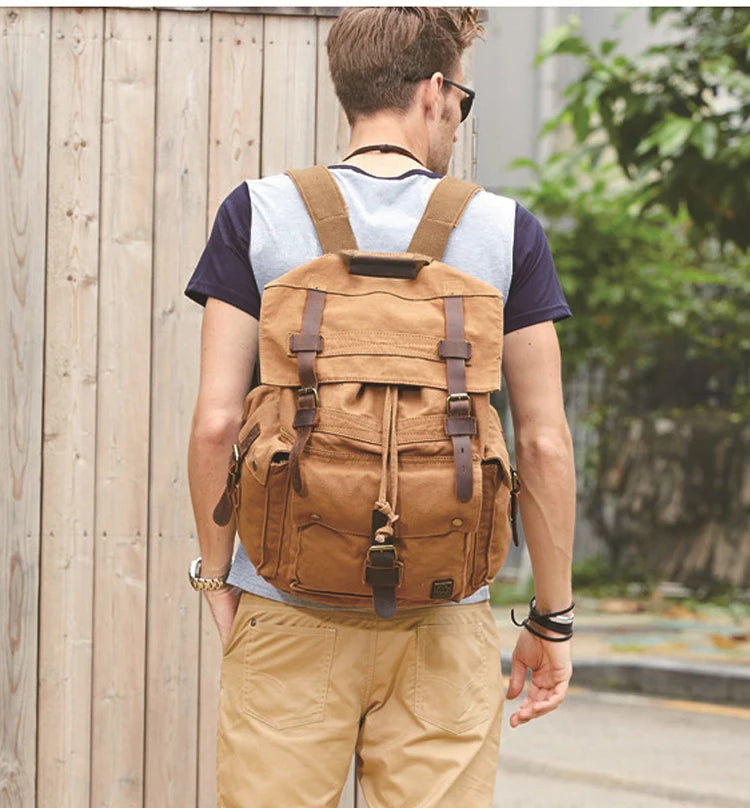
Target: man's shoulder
<point>273,183</point>
<point>495,203</point>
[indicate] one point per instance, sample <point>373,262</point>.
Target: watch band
<point>205,584</point>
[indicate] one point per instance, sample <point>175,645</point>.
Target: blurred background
<point>122,129</point>
<point>629,138</point>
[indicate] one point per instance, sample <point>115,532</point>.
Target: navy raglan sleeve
<point>224,270</point>
<point>535,294</point>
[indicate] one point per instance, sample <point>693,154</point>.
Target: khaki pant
<point>418,697</point>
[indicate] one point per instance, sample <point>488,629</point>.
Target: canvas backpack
<point>371,466</point>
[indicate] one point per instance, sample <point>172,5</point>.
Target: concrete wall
<point>514,98</point>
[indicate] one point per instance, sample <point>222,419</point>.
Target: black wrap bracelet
<point>558,622</point>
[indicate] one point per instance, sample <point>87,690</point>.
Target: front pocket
<point>287,672</point>
<point>452,676</point>
<point>328,562</point>
<point>332,523</point>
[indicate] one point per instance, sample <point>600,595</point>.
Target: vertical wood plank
<point>236,74</point>
<point>234,156</point>
<point>24,90</point>
<point>332,128</point>
<point>66,592</point>
<point>122,445</point>
<point>289,82</point>
<point>179,237</point>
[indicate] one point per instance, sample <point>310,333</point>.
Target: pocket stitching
<point>325,659</point>
<point>420,708</point>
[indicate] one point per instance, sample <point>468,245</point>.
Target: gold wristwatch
<point>205,584</point>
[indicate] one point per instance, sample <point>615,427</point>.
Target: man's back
<point>418,696</point>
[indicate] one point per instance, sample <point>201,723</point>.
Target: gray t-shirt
<point>263,230</point>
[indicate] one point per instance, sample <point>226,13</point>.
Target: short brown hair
<point>377,53</point>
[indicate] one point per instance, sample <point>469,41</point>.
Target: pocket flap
<point>427,500</point>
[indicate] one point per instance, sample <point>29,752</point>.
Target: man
<point>419,696</point>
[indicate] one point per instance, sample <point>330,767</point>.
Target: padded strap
<point>325,204</point>
<point>443,212</point>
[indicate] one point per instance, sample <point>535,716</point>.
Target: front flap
<point>381,330</point>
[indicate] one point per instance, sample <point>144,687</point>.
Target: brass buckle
<point>304,391</point>
<point>515,482</point>
<point>233,477</point>
<point>379,548</point>
<point>457,397</point>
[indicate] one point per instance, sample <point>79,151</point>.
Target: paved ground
<point>624,751</point>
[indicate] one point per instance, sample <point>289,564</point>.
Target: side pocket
<point>262,513</point>
<point>493,534</point>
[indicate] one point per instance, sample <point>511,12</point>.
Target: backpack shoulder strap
<point>326,206</point>
<point>443,212</point>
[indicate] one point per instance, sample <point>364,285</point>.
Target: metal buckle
<point>379,548</point>
<point>515,482</point>
<point>304,391</point>
<point>233,477</point>
<point>457,397</point>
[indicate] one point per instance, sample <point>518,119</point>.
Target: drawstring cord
<point>384,534</point>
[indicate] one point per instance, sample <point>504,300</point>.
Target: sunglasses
<point>465,103</point>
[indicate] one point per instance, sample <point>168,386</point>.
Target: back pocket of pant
<point>452,676</point>
<point>287,673</point>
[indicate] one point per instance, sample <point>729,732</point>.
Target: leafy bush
<point>648,214</point>
<point>667,320</point>
<point>677,115</point>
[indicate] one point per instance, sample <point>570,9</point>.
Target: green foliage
<point>665,318</point>
<point>655,270</point>
<point>677,116</point>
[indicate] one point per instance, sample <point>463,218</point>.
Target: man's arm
<point>544,454</point>
<point>229,346</point>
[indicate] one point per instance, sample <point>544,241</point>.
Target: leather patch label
<point>442,589</point>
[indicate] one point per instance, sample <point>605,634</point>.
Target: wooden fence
<point>120,133</point>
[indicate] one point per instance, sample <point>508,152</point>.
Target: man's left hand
<point>551,669</point>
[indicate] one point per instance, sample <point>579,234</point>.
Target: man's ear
<point>432,97</point>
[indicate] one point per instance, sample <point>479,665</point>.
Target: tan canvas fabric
<point>419,697</point>
<point>375,399</point>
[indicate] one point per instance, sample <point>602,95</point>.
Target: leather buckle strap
<point>459,425</point>
<point>309,343</point>
<point>453,408</point>
<point>381,548</point>
<point>383,572</point>
<point>307,398</point>
<point>515,487</point>
<point>224,507</point>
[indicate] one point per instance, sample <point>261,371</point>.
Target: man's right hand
<point>223,604</point>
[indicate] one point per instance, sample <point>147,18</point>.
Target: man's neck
<point>395,130</point>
